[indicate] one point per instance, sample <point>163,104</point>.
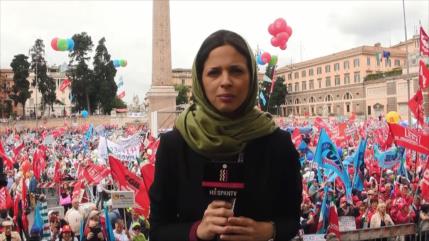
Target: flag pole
<point>406,61</point>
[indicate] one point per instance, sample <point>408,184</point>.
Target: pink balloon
<point>283,37</point>
<point>280,24</point>
<point>275,41</point>
<point>289,30</point>
<point>54,43</point>
<point>283,47</point>
<point>272,30</point>
<point>266,57</point>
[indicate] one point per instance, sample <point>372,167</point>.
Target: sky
<point>319,28</point>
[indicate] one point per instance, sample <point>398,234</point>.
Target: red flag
<point>296,137</point>
<point>24,205</point>
<point>77,190</point>
<point>130,181</point>
<point>18,149</point>
<point>36,165</point>
<point>5,199</point>
<point>95,173</point>
<point>7,161</point>
<point>153,147</point>
<point>423,75</point>
<point>148,173</point>
<point>57,172</point>
<point>342,129</point>
<point>333,226</point>
<point>416,106</point>
<point>424,42</point>
<point>352,118</point>
<point>65,84</point>
<point>410,138</point>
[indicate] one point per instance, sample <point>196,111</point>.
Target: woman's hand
<point>247,229</point>
<point>90,235</point>
<point>100,236</point>
<point>214,220</point>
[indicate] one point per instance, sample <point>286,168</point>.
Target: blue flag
<point>38,220</point>
<point>402,170</point>
<point>359,165</point>
<point>81,233</point>
<point>324,214</point>
<point>327,157</point>
<point>262,97</point>
<point>110,235</point>
<point>388,159</point>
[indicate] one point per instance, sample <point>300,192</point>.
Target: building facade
<point>7,107</point>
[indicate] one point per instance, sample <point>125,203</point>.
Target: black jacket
<point>273,187</point>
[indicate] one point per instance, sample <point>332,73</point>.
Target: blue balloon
<point>84,114</point>
<point>259,60</point>
<point>70,44</point>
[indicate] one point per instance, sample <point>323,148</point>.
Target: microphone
<point>223,180</point>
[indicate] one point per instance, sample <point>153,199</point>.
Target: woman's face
<point>226,79</point>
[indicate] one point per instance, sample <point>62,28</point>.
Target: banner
<point>127,149</point>
<point>410,138</point>
<point>416,106</point>
<point>65,84</point>
<point>95,173</point>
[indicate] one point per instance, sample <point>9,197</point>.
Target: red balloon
<point>288,30</point>
<point>275,41</point>
<point>54,44</point>
<point>272,30</point>
<point>280,25</point>
<point>283,47</point>
<point>266,57</point>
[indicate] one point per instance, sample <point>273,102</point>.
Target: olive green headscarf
<point>212,134</point>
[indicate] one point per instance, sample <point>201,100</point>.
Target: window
<point>312,100</point>
<point>329,98</point>
<point>327,68</point>
<point>356,63</point>
<point>336,66</point>
<point>296,87</point>
<point>310,72</point>
<point>348,108</point>
<point>357,77</point>
<point>346,64</point>
<point>328,82</point>
<point>397,62</point>
<point>289,88</point>
<point>369,110</point>
<point>304,85</point>
<point>346,78</point>
<point>319,70</point>
<point>368,62</point>
<point>297,101</point>
<point>183,81</point>
<point>303,73</point>
<point>320,82</point>
<point>311,84</point>
<point>289,76</point>
<point>337,80</point>
<point>296,75</point>
<point>329,109</point>
<point>348,96</point>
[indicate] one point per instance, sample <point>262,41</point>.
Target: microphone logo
<point>223,173</point>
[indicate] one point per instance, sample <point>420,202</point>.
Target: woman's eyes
<point>233,71</point>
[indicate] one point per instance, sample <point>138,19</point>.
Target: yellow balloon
<point>393,117</point>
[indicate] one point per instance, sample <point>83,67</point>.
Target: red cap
<point>66,229</point>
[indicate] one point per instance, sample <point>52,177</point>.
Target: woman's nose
<point>225,79</point>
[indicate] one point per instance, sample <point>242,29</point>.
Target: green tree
<point>118,103</point>
<point>21,87</point>
<point>265,88</point>
<point>182,97</point>
<point>45,84</point>
<point>82,86</point>
<point>104,78</point>
<point>278,97</point>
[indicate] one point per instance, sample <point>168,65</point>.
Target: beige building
<point>6,104</point>
<point>351,81</point>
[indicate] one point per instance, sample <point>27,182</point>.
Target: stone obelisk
<point>161,96</point>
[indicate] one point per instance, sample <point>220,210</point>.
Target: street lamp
<point>36,57</point>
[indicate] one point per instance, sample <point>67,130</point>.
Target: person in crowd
<point>65,197</point>
<point>347,209</point>
<point>144,223</point>
<point>381,218</point>
<point>121,234</point>
<point>67,234</point>
<point>8,234</point>
<point>307,216</point>
<point>74,216</point>
<point>93,230</point>
<point>223,129</point>
<point>137,235</point>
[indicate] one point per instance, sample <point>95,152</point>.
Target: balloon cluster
<point>281,33</point>
<point>85,114</point>
<point>119,63</point>
<point>61,44</point>
<point>265,58</point>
